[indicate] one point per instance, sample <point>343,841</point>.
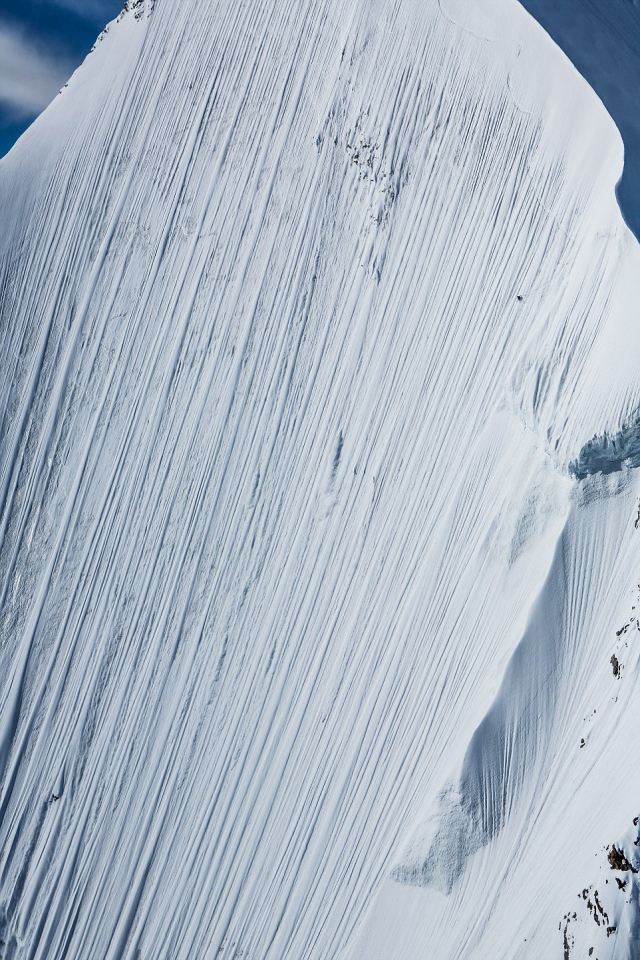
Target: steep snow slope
<point>602,40</point>
<point>305,313</point>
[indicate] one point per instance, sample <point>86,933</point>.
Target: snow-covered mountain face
<point>602,39</point>
<point>312,643</point>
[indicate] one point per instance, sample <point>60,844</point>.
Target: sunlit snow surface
<point>306,311</point>
<point>602,37</point>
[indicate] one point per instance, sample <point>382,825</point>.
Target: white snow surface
<point>305,311</point>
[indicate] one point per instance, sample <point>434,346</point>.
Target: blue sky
<point>41,44</point>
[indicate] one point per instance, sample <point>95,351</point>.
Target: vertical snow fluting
<point>304,313</point>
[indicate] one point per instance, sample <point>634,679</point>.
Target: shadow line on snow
<point>507,749</point>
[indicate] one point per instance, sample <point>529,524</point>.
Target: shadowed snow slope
<point>306,309</point>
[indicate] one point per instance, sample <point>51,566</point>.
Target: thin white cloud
<point>29,76</point>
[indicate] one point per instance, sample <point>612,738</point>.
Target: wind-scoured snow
<point>601,39</point>
<point>306,310</point>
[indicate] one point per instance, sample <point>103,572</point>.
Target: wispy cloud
<point>29,75</point>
